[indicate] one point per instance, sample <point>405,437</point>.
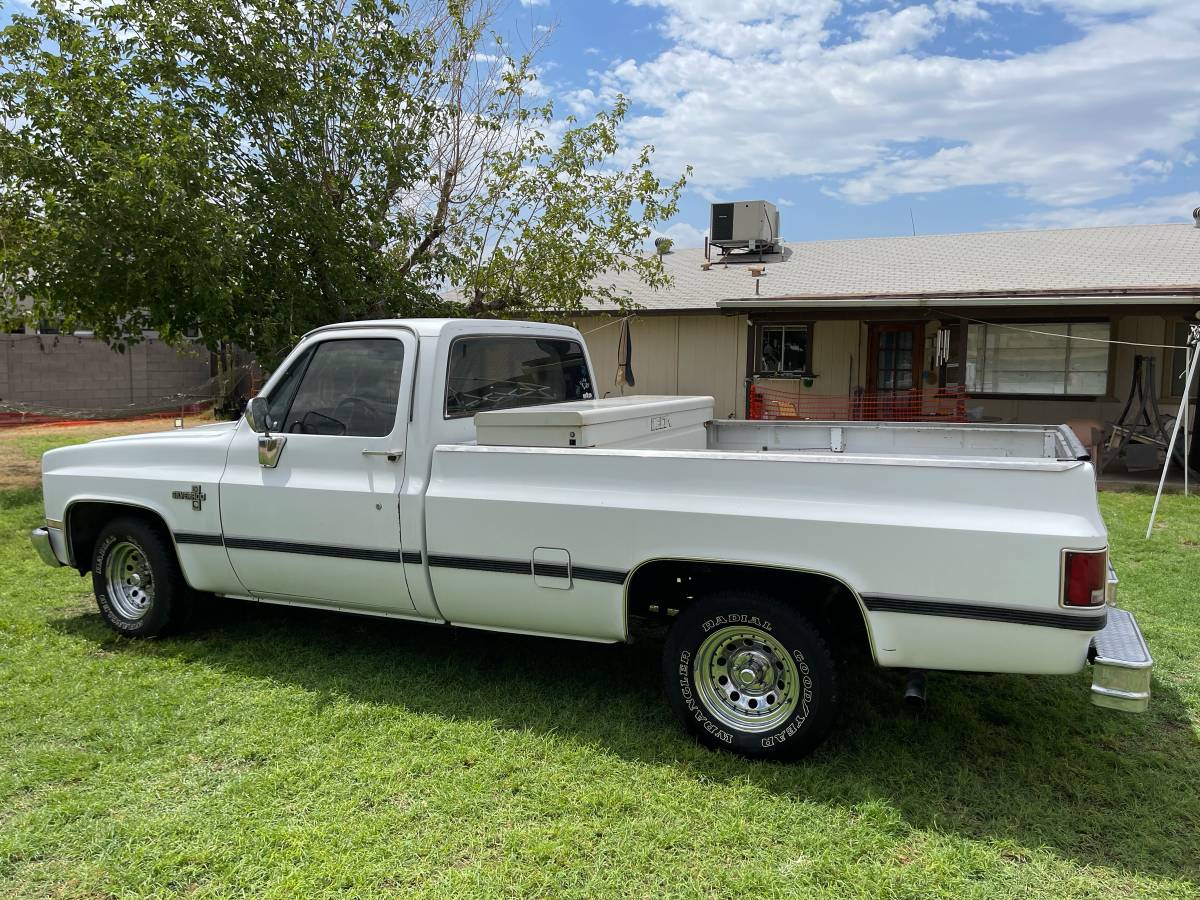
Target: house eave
<point>942,301</point>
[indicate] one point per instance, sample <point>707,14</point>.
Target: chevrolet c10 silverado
<point>463,472</point>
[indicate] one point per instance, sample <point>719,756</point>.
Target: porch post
<point>962,354</point>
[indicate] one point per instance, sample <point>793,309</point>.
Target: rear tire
<point>137,580</point>
<point>749,674</point>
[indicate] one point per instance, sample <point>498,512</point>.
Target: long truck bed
<point>938,531</point>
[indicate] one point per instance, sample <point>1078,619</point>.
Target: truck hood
<point>200,444</point>
<point>196,432</point>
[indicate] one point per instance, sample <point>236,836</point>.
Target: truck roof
<point>437,327</point>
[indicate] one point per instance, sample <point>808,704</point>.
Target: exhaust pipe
<point>914,690</point>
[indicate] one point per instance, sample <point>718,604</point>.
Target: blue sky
<point>970,114</point>
<point>864,117</point>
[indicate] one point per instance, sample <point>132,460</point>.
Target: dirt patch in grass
<point>17,470</point>
<point>21,448</point>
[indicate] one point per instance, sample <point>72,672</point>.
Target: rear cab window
<point>502,372</point>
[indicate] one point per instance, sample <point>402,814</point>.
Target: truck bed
<point>686,423</point>
<point>914,519</point>
<point>906,439</point>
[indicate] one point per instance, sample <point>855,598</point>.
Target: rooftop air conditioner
<point>744,225</point>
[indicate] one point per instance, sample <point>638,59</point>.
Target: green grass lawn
<point>291,753</point>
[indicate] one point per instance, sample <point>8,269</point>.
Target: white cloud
<point>884,34</point>
<point>787,88</point>
<point>1175,208</point>
<point>737,28</point>
<point>579,102</point>
<point>961,9</point>
<point>683,234</point>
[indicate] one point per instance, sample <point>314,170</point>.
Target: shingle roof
<point>1128,258</point>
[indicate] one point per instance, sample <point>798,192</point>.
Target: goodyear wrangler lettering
<point>685,691</point>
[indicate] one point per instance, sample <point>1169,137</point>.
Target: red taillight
<point>1085,577</point>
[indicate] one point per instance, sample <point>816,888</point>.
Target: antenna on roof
<point>912,221</point>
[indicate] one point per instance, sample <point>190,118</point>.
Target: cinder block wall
<point>66,371</point>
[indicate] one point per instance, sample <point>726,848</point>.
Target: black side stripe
<point>522,567</point>
<point>988,613</point>
<point>412,557</point>
<point>583,573</point>
<point>608,576</point>
<point>208,540</point>
<point>481,564</point>
<point>367,553</point>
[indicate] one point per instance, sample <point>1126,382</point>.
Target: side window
<point>503,372</point>
<point>285,390</point>
<point>347,387</point>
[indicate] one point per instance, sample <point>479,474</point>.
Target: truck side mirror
<point>258,415</point>
<point>270,446</point>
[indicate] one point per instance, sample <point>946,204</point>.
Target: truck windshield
<point>501,372</point>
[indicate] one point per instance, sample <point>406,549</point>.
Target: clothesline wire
<point>952,314</point>
<point>1068,337</point>
<point>602,327</point>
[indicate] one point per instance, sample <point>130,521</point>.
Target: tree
<point>551,225</point>
<point>253,168</point>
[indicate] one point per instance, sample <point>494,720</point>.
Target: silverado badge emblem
<point>196,495</point>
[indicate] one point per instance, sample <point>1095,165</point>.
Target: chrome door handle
<point>392,455</point>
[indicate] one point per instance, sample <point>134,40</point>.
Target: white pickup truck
<point>461,472</point>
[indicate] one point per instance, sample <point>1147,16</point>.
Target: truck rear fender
<point>657,589</point>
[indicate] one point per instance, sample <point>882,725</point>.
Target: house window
<point>784,349</point>
<point>1047,358</point>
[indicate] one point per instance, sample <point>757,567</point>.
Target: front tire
<point>751,675</point>
<point>137,580</point>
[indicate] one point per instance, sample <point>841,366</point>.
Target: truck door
<point>323,523</point>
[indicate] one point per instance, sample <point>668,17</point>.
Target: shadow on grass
<point>1022,760</point>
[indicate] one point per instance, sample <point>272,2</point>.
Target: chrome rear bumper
<point>1121,664</point>
<point>40,538</point>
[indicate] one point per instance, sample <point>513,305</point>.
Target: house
<point>1017,326</point>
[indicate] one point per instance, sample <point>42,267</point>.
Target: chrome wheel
<point>129,580</point>
<point>747,679</point>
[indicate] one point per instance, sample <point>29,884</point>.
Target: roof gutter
<point>958,301</point>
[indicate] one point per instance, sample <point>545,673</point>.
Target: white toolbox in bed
<point>663,423</point>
